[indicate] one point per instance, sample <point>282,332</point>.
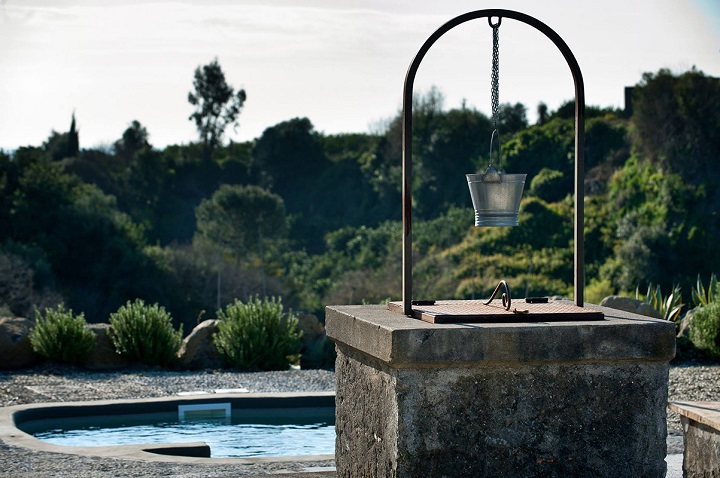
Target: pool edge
<point>174,453</point>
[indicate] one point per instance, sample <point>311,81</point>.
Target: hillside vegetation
<point>315,218</point>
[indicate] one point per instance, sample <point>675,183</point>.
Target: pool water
<point>248,433</point>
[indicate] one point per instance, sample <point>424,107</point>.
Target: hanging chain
<point>495,90</point>
<point>495,75</point>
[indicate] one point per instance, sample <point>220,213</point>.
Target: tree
<point>287,153</point>
<point>63,145</point>
<point>542,112</point>
<point>291,162</point>
<point>134,140</point>
<point>550,185</point>
<point>7,171</point>
<point>15,284</point>
<point>676,120</point>
<point>241,218</point>
<point>446,146</point>
<point>216,103</point>
<point>512,118</point>
<point>549,145</point>
<point>73,139</point>
<point>451,151</point>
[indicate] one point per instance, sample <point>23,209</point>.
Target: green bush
<point>61,336</point>
<point>550,185</point>
<point>257,335</point>
<point>144,333</point>
<point>597,290</point>
<point>705,330</point>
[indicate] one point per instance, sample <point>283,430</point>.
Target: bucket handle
<point>492,138</point>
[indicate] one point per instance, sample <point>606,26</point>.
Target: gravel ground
<point>688,381</point>
<point>692,382</point>
<point>59,384</point>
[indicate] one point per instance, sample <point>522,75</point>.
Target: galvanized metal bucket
<point>496,197</point>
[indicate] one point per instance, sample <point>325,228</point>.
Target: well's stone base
<point>559,400</point>
<point>600,420</point>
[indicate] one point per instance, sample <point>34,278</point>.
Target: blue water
<point>249,433</point>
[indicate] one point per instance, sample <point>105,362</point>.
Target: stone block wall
<point>404,411</point>
<point>590,419</point>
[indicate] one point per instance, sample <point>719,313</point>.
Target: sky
<point>341,63</point>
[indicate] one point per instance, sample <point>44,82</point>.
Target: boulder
<point>15,348</point>
<point>312,329</point>
<point>198,350</point>
<point>317,350</point>
<point>104,356</point>
<point>686,324</point>
<point>630,305</point>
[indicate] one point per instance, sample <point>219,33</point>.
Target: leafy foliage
<point>241,218</point>
<point>217,105</point>
<point>14,277</point>
<point>61,336</point>
<point>512,118</point>
<point>549,145</point>
<point>107,225</point>
<point>549,185</point>
<point>597,290</point>
<point>257,335</point>
<point>705,330</point>
<point>63,145</point>
<point>676,122</point>
<point>144,333</point>
<point>702,297</point>
<point>669,307</point>
<point>134,140</point>
<point>291,162</point>
<point>655,220</point>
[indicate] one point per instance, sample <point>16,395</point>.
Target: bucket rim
<point>505,178</point>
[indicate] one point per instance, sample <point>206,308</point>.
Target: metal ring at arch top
<point>579,268</point>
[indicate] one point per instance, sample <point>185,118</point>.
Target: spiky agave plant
<point>701,296</point>
<point>669,307</point>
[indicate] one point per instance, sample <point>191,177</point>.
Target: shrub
<point>597,290</point>
<point>705,331</point>
<point>669,307</point>
<point>702,297</point>
<point>550,185</point>
<point>144,333</point>
<point>257,335</point>
<point>61,336</point>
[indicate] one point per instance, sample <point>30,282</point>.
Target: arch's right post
<point>579,194</point>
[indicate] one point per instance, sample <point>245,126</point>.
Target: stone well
<point>583,398</point>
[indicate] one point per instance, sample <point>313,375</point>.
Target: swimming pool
<point>246,433</point>
<point>259,426</point>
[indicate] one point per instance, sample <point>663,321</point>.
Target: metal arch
<point>579,268</point>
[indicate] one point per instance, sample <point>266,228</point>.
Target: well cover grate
<point>475,311</point>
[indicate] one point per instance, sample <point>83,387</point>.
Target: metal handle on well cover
<point>506,298</point>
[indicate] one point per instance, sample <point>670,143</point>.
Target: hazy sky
<point>341,63</point>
